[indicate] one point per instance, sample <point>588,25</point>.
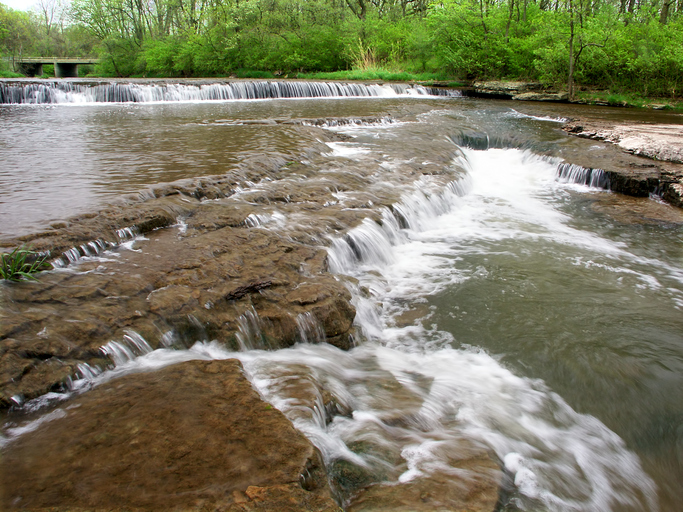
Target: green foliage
<point>380,74</point>
<point>248,73</point>
<point>21,263</point>
<point>634,52</point>
<point>10,74</point>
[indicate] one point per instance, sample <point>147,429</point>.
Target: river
<point>522,314</point>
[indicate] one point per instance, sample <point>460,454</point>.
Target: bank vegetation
<point>618,46</point>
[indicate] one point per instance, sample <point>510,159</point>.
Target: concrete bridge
<point>65,67</point>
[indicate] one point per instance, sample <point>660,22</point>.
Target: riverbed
<point>537,316</point>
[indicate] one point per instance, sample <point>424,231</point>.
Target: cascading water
<point>463,311</point>
<point>69,92</point>
<point>571,173</point>
<point>250,336</point>
<point>540,440</point>
<point>411,399</point>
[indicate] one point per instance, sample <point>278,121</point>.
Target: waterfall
<point>571,173</point>
<point>133,345</point>
<point>73,255</point>
<point>310,328</point>
<point>372,243</point>
<point>114,92</point>
<point>249,334</point>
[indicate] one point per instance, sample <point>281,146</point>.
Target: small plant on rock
<point>22,263</point>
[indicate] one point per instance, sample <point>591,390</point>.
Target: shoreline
<point>661,146</point>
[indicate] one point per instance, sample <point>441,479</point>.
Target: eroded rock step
<point>197,436</point>
<point>659,172</point>
<point>194,436</point>
<point>251,240</point>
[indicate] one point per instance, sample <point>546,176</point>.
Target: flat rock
<point>538,96</point>
<point>193,436</point>
<point>657,141</point>
<point>475,490</point>
<point>505,88</point>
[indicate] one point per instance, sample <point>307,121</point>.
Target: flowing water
<point>508,311</point>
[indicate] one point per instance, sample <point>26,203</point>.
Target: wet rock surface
<point>465,477</point>
<point>475,490</point>
<point>637,210</point>
<point>193,436</point>
<point>239,258</point>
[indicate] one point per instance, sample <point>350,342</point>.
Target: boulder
<point>193,436</point>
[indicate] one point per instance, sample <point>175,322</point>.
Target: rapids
<point>511,313</point>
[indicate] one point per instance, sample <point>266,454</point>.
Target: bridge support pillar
<point>66,70</point>
<point>31,69</point>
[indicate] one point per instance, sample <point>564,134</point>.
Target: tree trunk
<point>570,77</point>
<point>507,26</point>
<point>664,13</point>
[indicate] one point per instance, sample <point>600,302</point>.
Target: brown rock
<point>194,436</point>
<point>475,491</point>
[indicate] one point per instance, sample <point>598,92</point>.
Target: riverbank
<point>661,146</point>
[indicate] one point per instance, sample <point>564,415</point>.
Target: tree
<point>14,32</point>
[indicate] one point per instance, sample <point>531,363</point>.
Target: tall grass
<point>22,263</point>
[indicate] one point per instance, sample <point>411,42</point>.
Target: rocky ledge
<point>522,91</point>
<point>194,436</point>
<point>239,258</point>
<point>661,144</point>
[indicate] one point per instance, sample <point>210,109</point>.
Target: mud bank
<point>662,143</point>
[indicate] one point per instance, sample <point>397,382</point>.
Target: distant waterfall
<point>115,92</point>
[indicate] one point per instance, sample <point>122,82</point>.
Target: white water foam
<point>558,459</point>
<point>519,115</point>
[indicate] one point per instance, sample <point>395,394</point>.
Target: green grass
<point>378,74</point>
<point>251,73</point>
<point>628,100</point>
<point>21,264</point>
<point>10,74</point>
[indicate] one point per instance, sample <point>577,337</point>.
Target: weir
<point>116,92</point>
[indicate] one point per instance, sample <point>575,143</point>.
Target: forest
<point>623,46</point>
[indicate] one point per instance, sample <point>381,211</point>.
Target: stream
<point>513,310</point>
